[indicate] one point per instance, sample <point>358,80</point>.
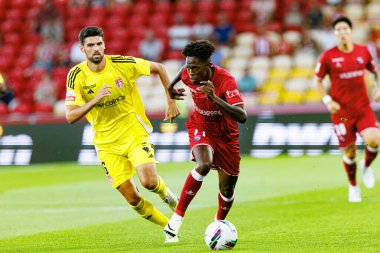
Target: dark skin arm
<point>176,94</point>
<point>237,112</point>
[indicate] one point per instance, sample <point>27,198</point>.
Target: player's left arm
<point>172,111</point>
<point>376,97</point>
<point>237,112</point>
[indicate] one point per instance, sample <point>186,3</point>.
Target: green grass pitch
<point>285,204</point>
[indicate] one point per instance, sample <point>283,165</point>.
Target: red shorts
<point>346,126</point>
<point>226,154</point>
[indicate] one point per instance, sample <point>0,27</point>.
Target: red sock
<point>224,206</point>
<point>189,190</point>
<point>350,167</point>
<point>370,155</point>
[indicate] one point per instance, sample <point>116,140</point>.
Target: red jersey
<point>206,114</point>
<point>346,71</point>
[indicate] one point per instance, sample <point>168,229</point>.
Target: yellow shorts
<point>120,160</point>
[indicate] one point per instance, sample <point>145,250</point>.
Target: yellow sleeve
<point>1,79</point>
<point>73,94</point>
<point>133,67</point>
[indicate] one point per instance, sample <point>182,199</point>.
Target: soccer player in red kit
<point>348,102</point>
<point>212,129</point>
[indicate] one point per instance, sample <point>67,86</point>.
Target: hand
<point>376,97</point>
<point>172,111</point>
<point>177,94</point>
<point>103,92</point>
<point>208,89</point>
<point>333,106</point>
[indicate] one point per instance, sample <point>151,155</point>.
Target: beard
<point>96,58</point>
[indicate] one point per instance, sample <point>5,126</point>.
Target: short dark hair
<point>202,49</point>
<point>89,31</point>
<point>342,19</point>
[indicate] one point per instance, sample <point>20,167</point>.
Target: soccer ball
<point>221,235</point>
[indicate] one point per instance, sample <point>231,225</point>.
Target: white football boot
<point>172,228</point>
<point>368,176</point>
<point>171,199</point>
<point>354,194</point>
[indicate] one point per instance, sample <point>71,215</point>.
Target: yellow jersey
<point>115,114</point>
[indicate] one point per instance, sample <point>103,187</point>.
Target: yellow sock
<point>146,210</point>
<point>160,188</point>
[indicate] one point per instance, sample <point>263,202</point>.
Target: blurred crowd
<point>38,40</point>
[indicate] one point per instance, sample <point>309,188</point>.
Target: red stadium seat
<point>14,14</point>
<point>119,11</point>
<point>3,108</point>
<point>227,5</point>
<point>12,38</point>
<point>43,108</point>
<point>162,7</point>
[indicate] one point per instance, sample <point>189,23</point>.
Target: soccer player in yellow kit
<point>103,89</point>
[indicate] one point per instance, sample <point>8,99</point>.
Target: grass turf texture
<point>282,205</point>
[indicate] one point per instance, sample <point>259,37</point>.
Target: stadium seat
<point>312,96</point>
<point>304,60</point>
<point>354,11</point>
<point>296,84</point>
<point>3,109</point>
<point>245,39</point>
<point>260,63</point>
<point>293,37</point>
<point>292,97</point>
<point>373,11</point>
<point>242,51</point>
<point>282,62</point>
<point>237,63</point>
<point>43,108</point>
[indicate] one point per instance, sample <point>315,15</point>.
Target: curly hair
<point>89,31</point>
<point>202,49</point>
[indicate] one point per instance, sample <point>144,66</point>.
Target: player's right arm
<point>177,94</point>
<point>76,112</point>
<point>320,72</point>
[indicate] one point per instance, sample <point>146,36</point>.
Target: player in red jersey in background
<point>212,129</point>
<point>348,102</point>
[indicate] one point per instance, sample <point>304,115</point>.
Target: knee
<point>227,190</point>
<point>227,193</point>
<point>204,168</point>
<point>149,183</point>
<point>373,143</point>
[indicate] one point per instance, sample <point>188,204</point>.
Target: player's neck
<point>97,67</point>
<point>346,47</point>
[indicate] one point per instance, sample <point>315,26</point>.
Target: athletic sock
<point>192,184</point>
<point>224,206</point>
<point>146,210</point>
<point>370,155</point>
<point>350,167</point>
<point>160,188</point>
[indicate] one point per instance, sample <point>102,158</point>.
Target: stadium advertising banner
<point>262,136</point>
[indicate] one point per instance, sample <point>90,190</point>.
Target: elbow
<point>70,120</point>
<point>243,118</point>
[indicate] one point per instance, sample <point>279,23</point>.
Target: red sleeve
<point>371,65</point>
<point>232,93</point>
<point>321,69</point>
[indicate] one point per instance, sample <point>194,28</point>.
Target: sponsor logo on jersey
<point>360,60</point>
<point>110,103</point>
<point>119,83</point>
<point>70,95</point>
<point>207,113</point>
<point>232,93</point>
<point>351,74</point>
<point>86,87</point>
<point>339,59</point>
